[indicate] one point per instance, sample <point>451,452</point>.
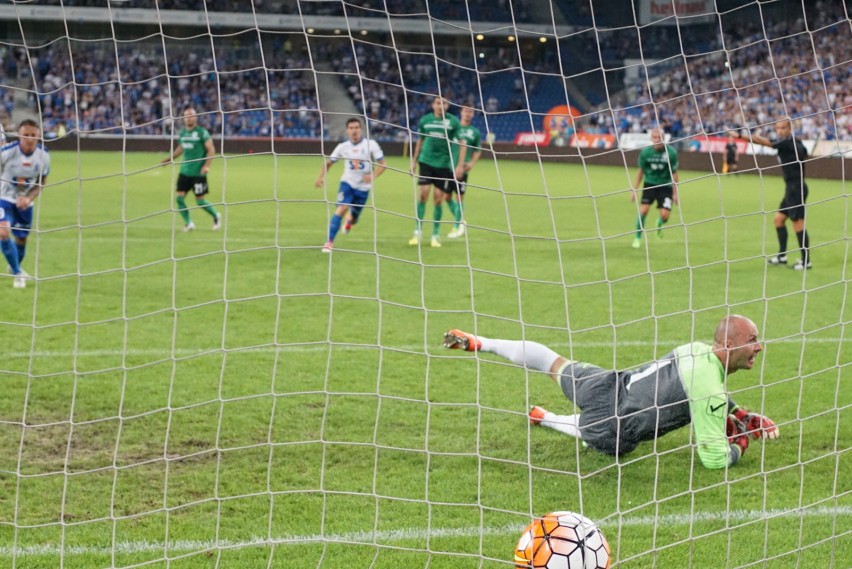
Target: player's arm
<point>462,155</point>
<point>173,156</point>
<point>638,183</point>
<point>416,154</point>
<point>23,202</point>
<point>211,151</point>
<point>321,178</point>
<point>474,158</point>
<point>757,139</point>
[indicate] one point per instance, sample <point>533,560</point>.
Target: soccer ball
<point>562,540</point>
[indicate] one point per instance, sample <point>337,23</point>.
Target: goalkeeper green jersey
<point>685,386</point>
<point>194,153</point>
<point>470,135</point>
<point>658,166</point>
<point>436,134</point>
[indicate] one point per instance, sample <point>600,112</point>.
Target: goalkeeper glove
<point>737,433</point>
<point>757,425</point>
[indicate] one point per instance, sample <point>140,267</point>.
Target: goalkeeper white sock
<point>568,424</point>
<point>532,355</point>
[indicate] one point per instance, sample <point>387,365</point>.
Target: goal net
<point>188,381</point>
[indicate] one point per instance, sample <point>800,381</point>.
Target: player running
<point>24,166</point>
<point>196,147</point>
<point>359,154</point>
<point>620,409</point>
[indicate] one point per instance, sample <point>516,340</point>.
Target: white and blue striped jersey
<point>358,161</point>
<point>19,172</point>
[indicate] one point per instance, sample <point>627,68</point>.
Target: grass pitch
<point>239,399</point>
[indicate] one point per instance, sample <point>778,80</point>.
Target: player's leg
<point>200,189</point>
<point>567,424</point>
<point>7,245</point>
<point>359,199</point>
<point>531,355</point>
<point>441,189</point>
<point>664,204</point>
<point>344,198</point>
<point>457,207</point>
<point>647,199</point>
<point>424,182</point>
<point>804,242</point>
<point>780,221</point>
<point>184,186</point>
<point>725,167</point>
<point>22,221</point>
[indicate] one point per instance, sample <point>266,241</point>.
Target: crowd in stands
<point>806,75</point>
<point>763,72</point>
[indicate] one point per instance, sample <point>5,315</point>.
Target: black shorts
<point>663,195</point>
<point>731,160</point>
<point>442,178</point>
<point>195,184</point>
<point>594,390</point>
<point>795,197</point>
<point>460,186</point>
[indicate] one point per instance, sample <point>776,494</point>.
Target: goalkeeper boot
<point>415,240</point>
<point>777,260</point>
<point>188,227</point>
<point>327,247</point>
<point>537,415</point>
<point>458,340</point>
<point>801,265</point>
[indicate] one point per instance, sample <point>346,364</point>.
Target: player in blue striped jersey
<point>359,155</point>
<point>24,166</point>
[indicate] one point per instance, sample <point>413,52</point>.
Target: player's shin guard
<point>437,216</point>
<point>333,227</point>
<point>182,209</point>
<point>640,224</point>
<point>208,207</point>
<point>804,245</point>
<point>10,251</point>
<point>782,239</point>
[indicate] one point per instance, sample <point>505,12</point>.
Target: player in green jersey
<point>472,138</point>
<point>620,409</point>
<point>196,147</point>
<point>436,166</point>
<point>658,165</point>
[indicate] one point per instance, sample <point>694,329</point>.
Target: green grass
<point>163,391</point>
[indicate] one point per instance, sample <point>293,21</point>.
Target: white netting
<point>235,398</point>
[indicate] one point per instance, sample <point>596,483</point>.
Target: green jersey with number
<point>194,153</point>
<point>436,134</point>
<point>658,166</point>
<point>470,135</point>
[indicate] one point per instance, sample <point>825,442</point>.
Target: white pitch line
<point>319,347</point>
<point>386,536</point>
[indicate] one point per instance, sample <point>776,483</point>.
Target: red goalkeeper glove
<point>737,433</point>
<point>757,425</point>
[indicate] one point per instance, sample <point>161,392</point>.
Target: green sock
<point>421,213</point>
<point>640,223</point>
<point>208,207</point>
<point>460,208</point>
<point>438,214</point>
<point>660,222</point>
<point>454,207</point>
<point>184,213</point>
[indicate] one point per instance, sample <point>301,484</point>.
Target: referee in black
<point>792,155</point>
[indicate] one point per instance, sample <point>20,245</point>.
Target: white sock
<point>568,424</point>
<point>532,355</point>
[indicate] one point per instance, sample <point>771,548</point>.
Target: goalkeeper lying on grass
<point>620,409</point>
